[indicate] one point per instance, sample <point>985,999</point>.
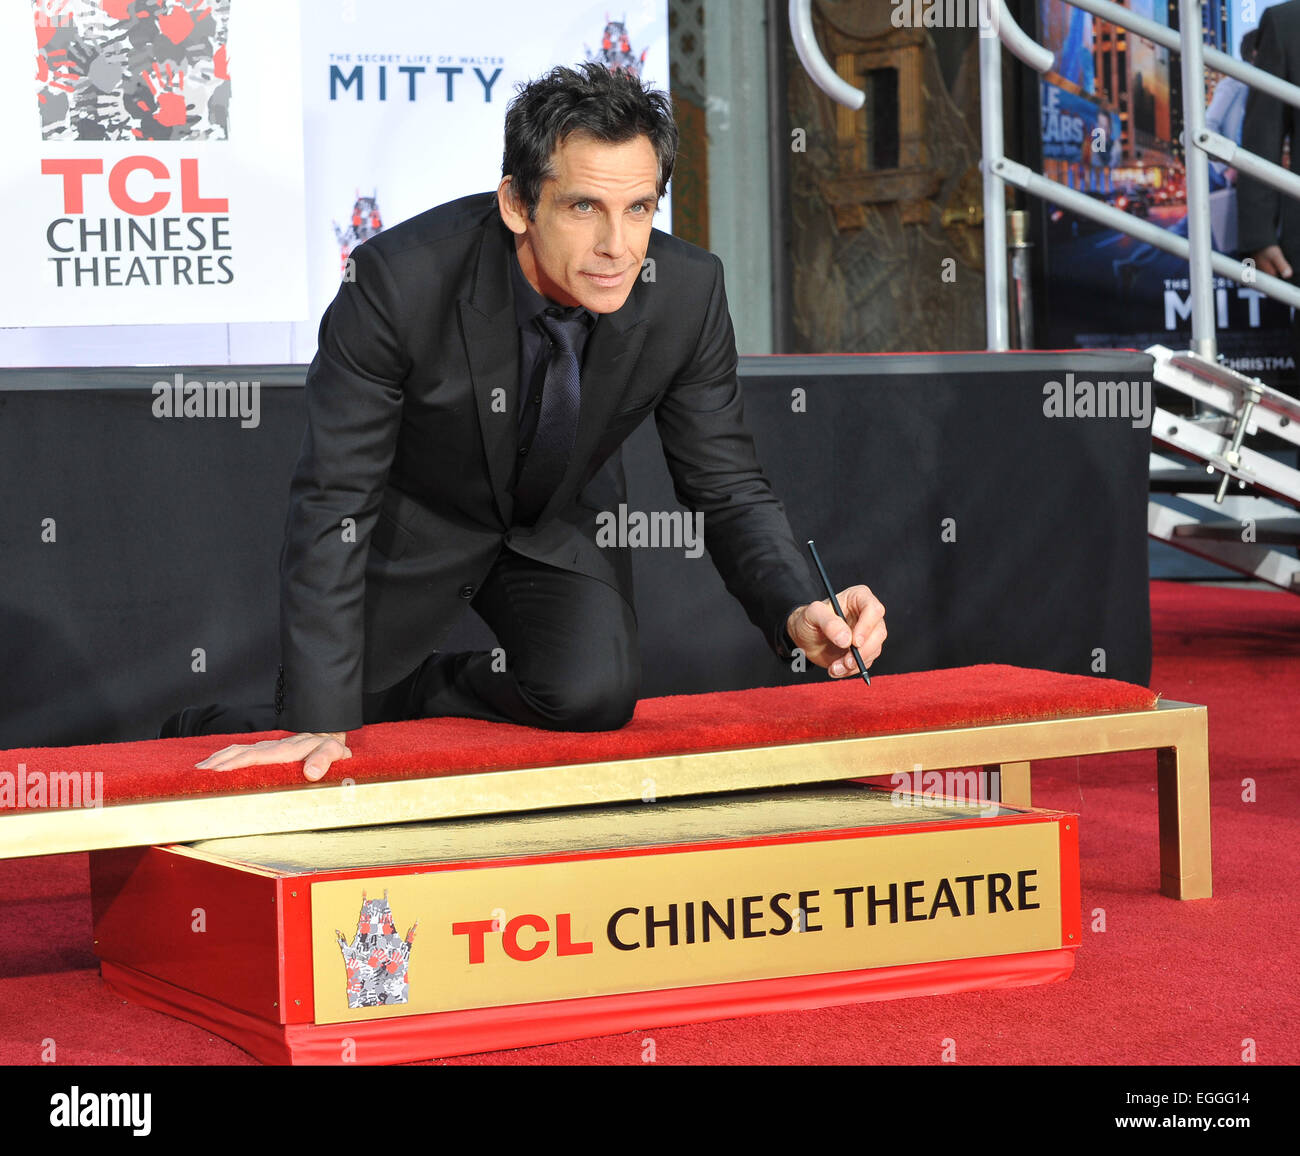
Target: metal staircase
<point>1228,408</point>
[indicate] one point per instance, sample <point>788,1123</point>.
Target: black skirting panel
<point>140,552</point>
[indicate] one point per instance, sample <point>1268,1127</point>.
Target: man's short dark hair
<point>1249,42</point>
<point>610,106</point>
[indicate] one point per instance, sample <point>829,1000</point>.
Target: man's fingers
<point>869,636</point>
<point>219,760</point>
<point>266,752</point>
<point>864,629</point>
<point>864,610</point>
<point>251,756</point>
<point>238,757</point>
<point>208,763</point>
<point>318,762</point>
<point>1273,261</point>
<point>831,625</point>
<point>861,608</point>
<point>869,648</point>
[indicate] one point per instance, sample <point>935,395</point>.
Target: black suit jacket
<point>400,502</point>
<point>1264,215</point>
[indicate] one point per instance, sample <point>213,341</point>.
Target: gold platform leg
<point>1183,775</point>
<point>1012,783</point>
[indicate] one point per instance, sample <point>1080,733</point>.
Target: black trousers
<point>567,659</point>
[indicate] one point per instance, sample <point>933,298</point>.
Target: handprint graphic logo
<point>376,959</point>
<point>133,69</point>
<point>364,223</point>
<point>616,49</point>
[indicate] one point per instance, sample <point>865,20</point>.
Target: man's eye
<point>580,204</point>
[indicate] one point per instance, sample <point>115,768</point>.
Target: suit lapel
<point>492,349</point>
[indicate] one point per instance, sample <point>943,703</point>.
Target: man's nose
<point>613,239</point>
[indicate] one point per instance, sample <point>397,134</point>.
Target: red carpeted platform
<point>1158,982</point>
<point>821,710</point>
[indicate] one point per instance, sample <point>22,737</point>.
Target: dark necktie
<point>557,423</point>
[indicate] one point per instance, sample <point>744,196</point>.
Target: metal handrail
<point>810,55</point>
<point>1036,184</point>
<point>1242,159</point>
<point>1019,43</point>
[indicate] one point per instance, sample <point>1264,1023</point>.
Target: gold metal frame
<point>1176,731</point>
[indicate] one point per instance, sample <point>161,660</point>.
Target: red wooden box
<point>417,941</point>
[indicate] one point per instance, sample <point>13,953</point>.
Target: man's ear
<point>511,214</point>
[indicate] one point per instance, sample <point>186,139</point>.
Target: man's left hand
<point>825,637</point>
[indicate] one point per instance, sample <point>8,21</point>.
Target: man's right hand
<point>317,752</point>
<point>1271,260</point>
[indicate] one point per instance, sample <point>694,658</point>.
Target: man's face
<point>593,222</point>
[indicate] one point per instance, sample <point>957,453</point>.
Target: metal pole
<point>779,159</point>
<point>995,207</point>
<point>1022,307</point>
<point>1196,164</point>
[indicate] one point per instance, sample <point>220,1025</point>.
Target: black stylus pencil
<point>835,602</point>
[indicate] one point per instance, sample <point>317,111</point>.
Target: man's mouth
<point>609,280</point>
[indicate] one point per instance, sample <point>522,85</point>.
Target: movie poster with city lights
<point>1111,128</point>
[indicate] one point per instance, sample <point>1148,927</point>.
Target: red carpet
<point>1156,981</point>
<point>968,696</point>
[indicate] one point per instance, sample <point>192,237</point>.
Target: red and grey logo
<point>616,49</point>
<point>133,69</point>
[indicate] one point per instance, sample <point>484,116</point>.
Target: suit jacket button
<point>467,591</point>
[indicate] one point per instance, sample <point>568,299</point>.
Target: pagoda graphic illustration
<point>377,958</point>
